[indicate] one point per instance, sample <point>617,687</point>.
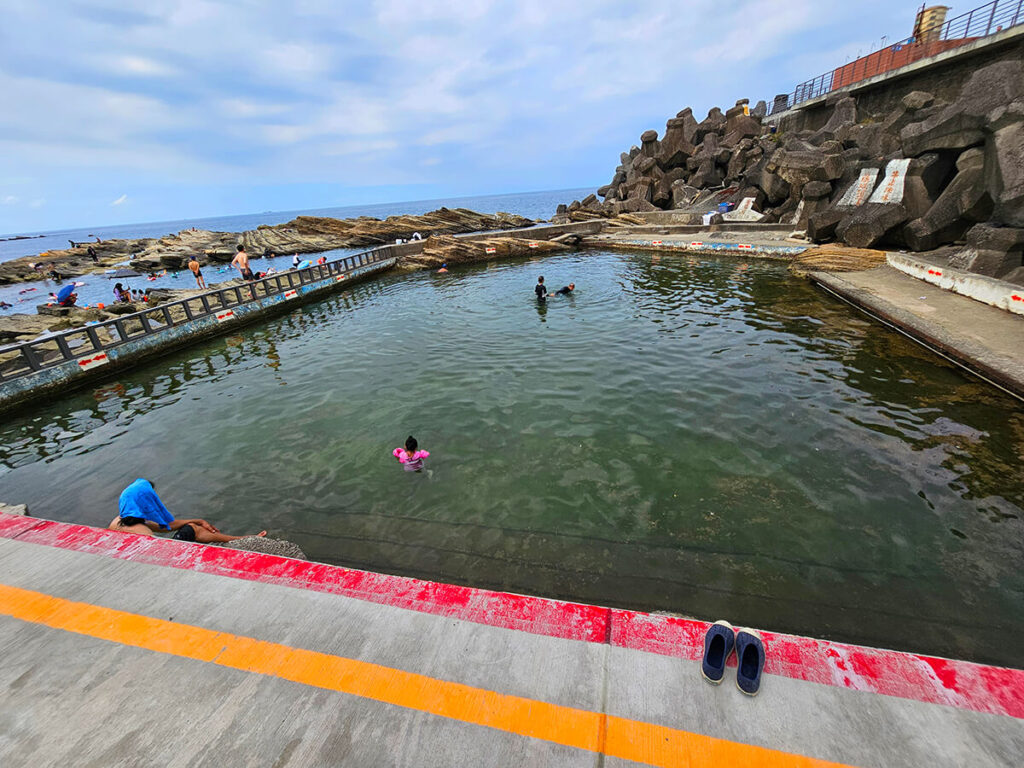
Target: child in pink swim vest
<point>410,456</point>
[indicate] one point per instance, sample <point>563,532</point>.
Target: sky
<point>114,112</point>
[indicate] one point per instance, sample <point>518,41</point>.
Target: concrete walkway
<point>736,242</point>
<point>986,340</point>
<point>127,650</point>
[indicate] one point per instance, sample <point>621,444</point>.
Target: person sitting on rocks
<point>67,301</point>
<point>122,294</point>
<point>141,511</point>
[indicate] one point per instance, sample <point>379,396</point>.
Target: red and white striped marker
<point>491,249</point>
<point>339,278</point>
<point>533,245</point>
<point>934,272</point>
<point>656,242</point>
<point>697,244</point>
<point>93,362</point>
<point>1015,297</point>
<point>291,294</point>
<point>744,247</point>
<point>227,314</point>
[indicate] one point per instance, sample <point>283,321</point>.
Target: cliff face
<point>920,176</point>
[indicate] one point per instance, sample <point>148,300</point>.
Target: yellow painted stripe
<point>592,731</point>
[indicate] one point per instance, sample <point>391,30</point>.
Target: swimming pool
<point>698,435</point>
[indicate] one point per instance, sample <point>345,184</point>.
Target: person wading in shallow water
<point>540,290</point>
<point>193,264</point>
<point>141,511</point>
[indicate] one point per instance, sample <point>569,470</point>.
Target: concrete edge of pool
<point>978,337</point>
<point>454,673</point>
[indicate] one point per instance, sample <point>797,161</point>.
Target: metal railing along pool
<point>979,22</point>
<point>83,344</point>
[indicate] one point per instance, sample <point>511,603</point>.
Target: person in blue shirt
<point>141,511</point>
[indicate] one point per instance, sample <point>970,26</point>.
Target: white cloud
<point>8,200</point>
<point>37,203</point>
<point>119,200</point>
<point>141,66</point>
<point>216,93</point>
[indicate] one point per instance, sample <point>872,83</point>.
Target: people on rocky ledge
<point>141,511</point>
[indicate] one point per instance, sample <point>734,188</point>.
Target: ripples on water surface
<point>700,436</point>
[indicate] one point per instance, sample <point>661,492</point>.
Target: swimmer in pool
<point>565,290</point>
<point>410,456</point>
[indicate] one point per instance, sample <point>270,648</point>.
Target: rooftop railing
<point>86,343</point>
<point>980,22</point>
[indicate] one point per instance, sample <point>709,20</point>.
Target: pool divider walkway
<point>126,649</point>
<point>985,340</point>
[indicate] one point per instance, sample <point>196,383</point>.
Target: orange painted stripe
<point>592,731</point>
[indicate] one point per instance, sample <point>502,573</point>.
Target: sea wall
<point>72,373</point>
<point>943,76</point>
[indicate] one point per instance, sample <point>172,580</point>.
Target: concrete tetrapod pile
<point>917,176</point>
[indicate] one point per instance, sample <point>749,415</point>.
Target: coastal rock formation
<point>445,249</point>
<point>312,234</point>
<point>305,234</point>
<point>920,175</point>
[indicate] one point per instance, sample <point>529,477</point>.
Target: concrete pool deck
<point>985,340</point>
<point>127,650</point>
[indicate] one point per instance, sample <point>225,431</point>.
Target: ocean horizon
<point>534,205</point>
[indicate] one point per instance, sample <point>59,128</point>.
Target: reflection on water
<point>704,436</point>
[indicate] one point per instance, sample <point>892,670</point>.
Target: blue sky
<point>114,112</point>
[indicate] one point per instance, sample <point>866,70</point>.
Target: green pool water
<point>702,436</point>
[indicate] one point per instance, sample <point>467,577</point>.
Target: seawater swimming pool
<point>706,436</point>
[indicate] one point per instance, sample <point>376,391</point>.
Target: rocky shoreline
<point>304,234</point>
<point>437,250</point>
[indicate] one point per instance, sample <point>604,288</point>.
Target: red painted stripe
<point>573,621</point>
<point>891,673</point>
<point>961,684</point>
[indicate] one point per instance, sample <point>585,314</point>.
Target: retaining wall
<point>988,290</point>
<point>942,75</point>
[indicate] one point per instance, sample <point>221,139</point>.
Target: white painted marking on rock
<point>227,314</point>
<point>859,192</point>
<point>891,188</point>
<point>744,212</point>
<point>291,294</point>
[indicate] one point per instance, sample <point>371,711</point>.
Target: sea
<point>23,297</point>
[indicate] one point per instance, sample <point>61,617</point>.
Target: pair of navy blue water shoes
<point>719,643</point>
